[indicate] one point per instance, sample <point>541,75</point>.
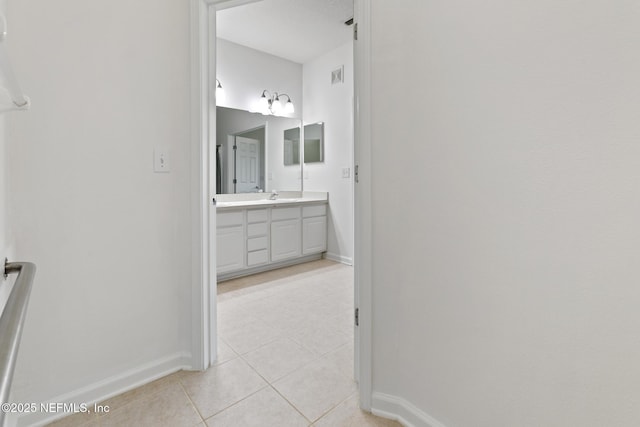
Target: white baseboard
<point>271,266</point>
<point>109,387</point>
<point>338,258</point>
<point>396,408</point>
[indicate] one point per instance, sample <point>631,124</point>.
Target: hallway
<point>285,359</point>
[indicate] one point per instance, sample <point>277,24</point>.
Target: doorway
<point>206,13</point>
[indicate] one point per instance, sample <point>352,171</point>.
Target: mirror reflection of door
<point>247,165</point>
<point>291,152</point>
<point>292,146</point>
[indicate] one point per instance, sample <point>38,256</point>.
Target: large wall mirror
<point>249,152</point>
<point>313,144</point>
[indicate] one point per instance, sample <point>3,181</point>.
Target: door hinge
<point>357,316</point>
<point>355,31</point>
<point>235,147</point>
<point>235,181</point>
<point>355,173</point>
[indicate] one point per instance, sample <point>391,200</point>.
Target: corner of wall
<point>396,408</point>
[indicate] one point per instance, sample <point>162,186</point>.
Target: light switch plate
<point>161,161</point>
<point>346,172</point>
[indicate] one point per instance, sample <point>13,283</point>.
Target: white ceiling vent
<point>337,75</point>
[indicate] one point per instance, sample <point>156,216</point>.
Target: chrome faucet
<point>274,195</point>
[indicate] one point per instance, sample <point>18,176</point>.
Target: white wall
<point>111,239</point>
<point>5,238</point>
<point>506,171</point>
<point>244,73</point>
<point>5,285</point>
<point>333,105</point>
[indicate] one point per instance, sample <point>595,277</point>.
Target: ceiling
<point>297,30</point>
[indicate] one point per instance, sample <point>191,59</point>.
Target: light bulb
<point>219,94</point>
<point>288,107</point>
<point>276,106</point>
<point>263,104</point>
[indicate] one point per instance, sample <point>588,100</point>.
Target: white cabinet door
<point>285,239</point>
<point>230,250</point>
<point>314,235</point>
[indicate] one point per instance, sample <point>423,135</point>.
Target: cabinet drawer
<point>316,210</point>
<point>258,257</point>
<point>257,215</point>
<point>257,243</point>
<point>259,229</point>
<point>227,219</point>
<point>278,214</point>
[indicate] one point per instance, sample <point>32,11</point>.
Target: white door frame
<point>362,200</point>
<point>203,214</point>
<point>203,347</point>
<point>202,306</point>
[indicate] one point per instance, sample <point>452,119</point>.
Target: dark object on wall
<point>218,171</point>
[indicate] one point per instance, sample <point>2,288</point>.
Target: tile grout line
<point>290,403</point>
<point>317,359</point>
<point>338,404</point>
<point>257,348</point>
<point>226,407</point>
<point>193,404</point>
<point>277,391</point>
<point>236,403</point>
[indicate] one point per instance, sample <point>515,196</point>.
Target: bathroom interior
<point>285,195</point>
<point>284,135</point>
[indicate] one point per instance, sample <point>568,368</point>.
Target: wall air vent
<point>337,75</point>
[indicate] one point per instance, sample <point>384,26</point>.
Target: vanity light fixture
<point>219,92</point>
<point>270,103</point>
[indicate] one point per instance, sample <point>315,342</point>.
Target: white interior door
<point>247,165</point>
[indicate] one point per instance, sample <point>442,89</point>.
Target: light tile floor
<point>285,358</point>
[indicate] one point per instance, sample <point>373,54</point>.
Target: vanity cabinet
<point>314,229</point>
<point>230,241</point>
<point>255,239</point>
<point>285,233</point>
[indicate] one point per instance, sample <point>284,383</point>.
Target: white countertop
<point>228,201</point>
